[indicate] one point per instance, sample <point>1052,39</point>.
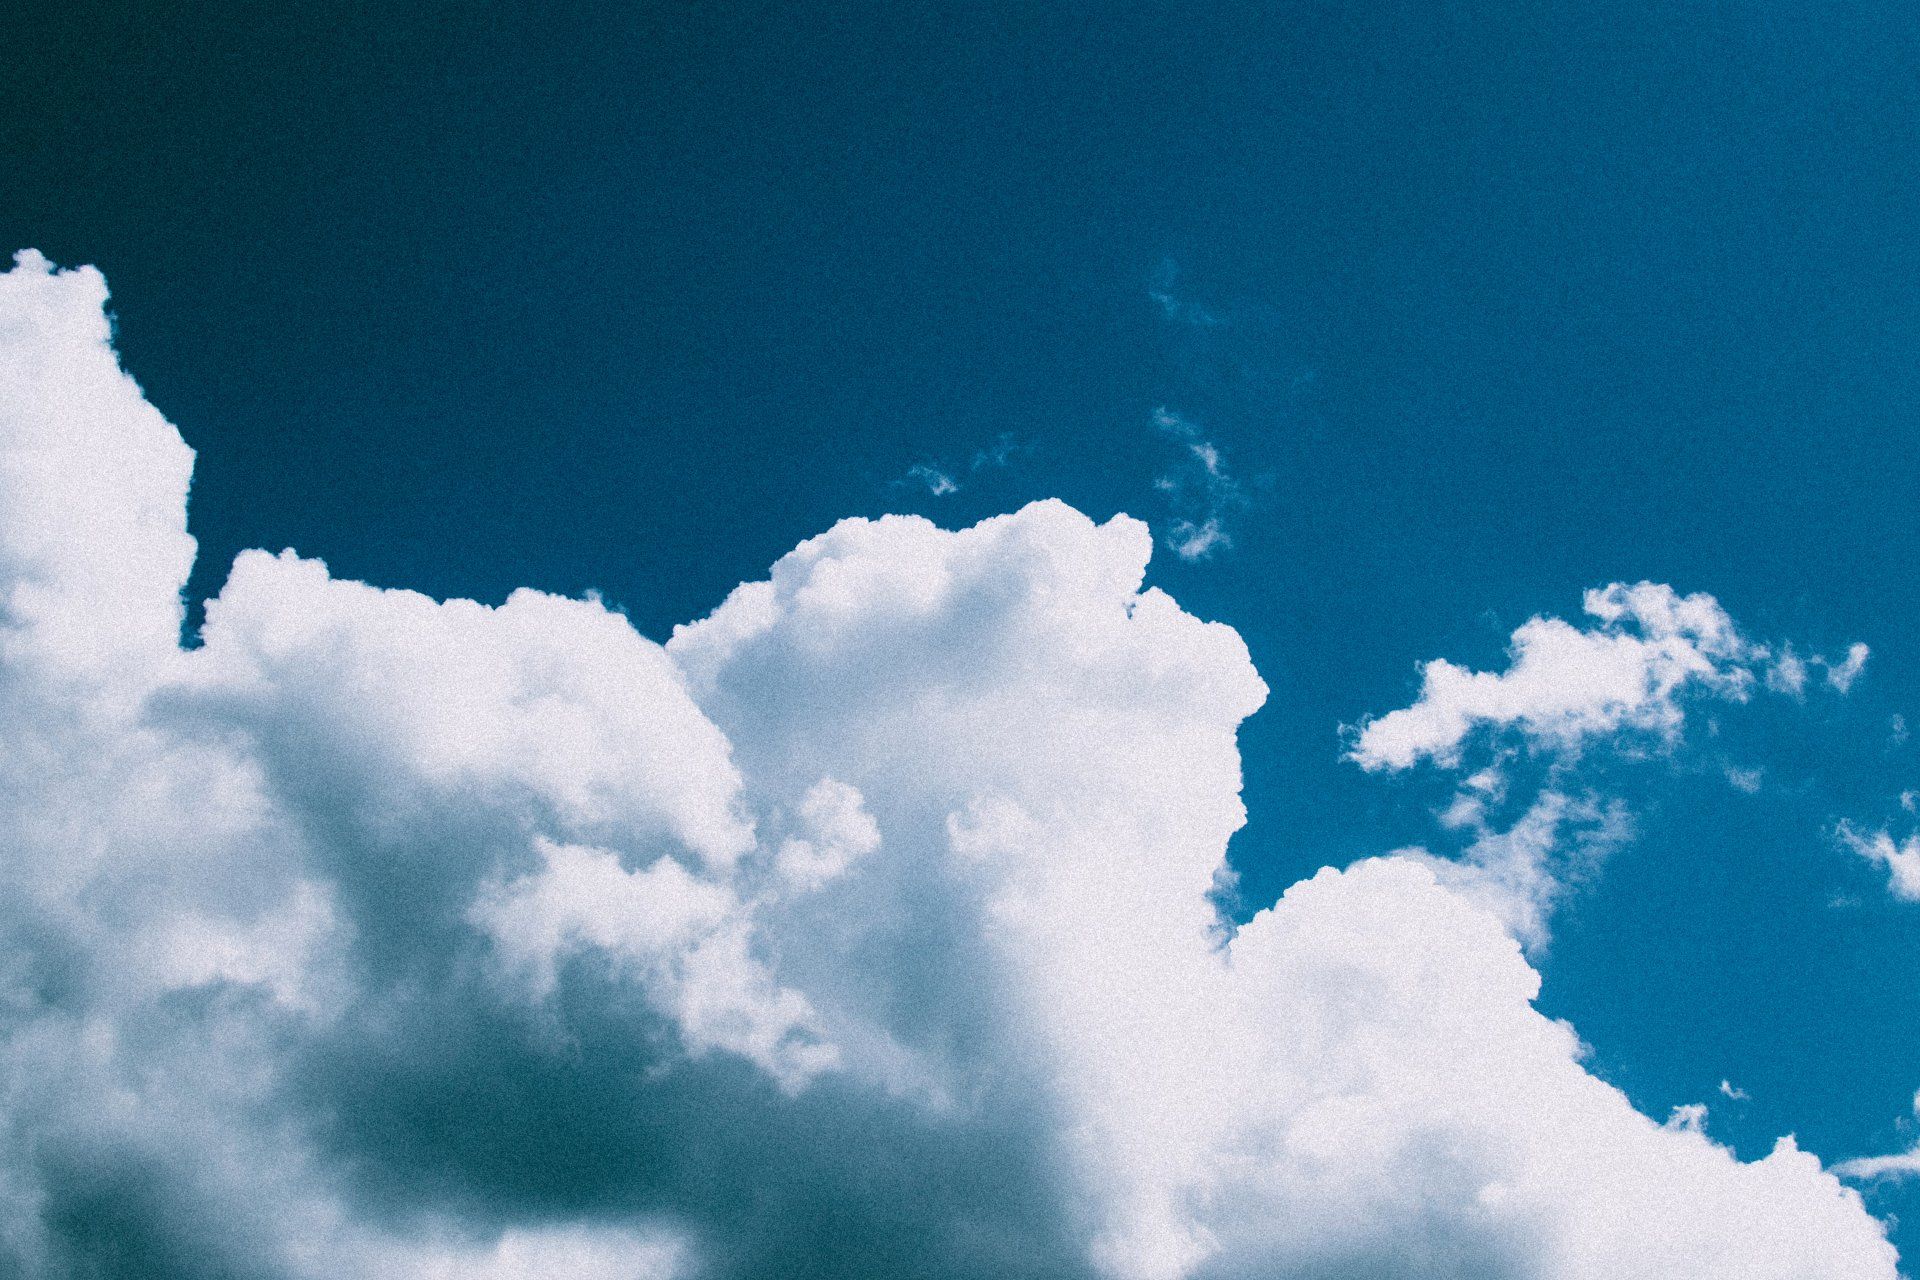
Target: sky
<point>655,922</point>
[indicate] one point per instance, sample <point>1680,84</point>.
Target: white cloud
<point>1787,673</point>
<point>937,482</point>
<point>838,831</point>
<point>1192,541</point>
<point>1842,674</point>
<point>1901,1165</point>
<point>1904,1164</point>
<point>942,478</point>
<point>688,941</point>
<point>584,896</point>
<point>1203,485</point>
<point>1632,670</point>
<point>1901,859</point>
<point>865,924</point>
<point>94,488</point>
<point>1521,874</point>
<point>1624,681</point>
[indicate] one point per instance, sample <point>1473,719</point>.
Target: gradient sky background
<point>1483,305</point>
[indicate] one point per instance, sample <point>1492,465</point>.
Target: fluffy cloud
<point>95,483</point>
<point>1625,682</point>
<point>1521,874</point>
<point>1648,650</point>
<point>864,928</point>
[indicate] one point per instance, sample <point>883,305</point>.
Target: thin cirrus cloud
<point>863,928</point>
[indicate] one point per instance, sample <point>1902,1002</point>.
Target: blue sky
<point>1445,314</point>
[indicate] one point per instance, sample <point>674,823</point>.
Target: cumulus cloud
<point>1648,650</point>
<point>864,928</point>
<point>1625,682</point>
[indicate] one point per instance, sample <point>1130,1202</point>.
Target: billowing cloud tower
<point>865,928</point>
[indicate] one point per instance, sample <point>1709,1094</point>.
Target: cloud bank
<point>863,929</point>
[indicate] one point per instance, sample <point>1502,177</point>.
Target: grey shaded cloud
<point>864,928</point>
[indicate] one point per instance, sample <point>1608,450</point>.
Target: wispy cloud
<point>1842,674</point>
<point>1192,541</point>
<point>936,481</point>
<point>1901,858</point>
<point>1232,395</point>
<point>1202,488</point>
<point>1904,1164</point>
<point>1163,288</point>
<point>1789,671</point>
<point>941,478</point>
<point>1625,681</point>
<point>1001,453</point>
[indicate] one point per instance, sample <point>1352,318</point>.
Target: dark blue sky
<point>1484,305</point>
